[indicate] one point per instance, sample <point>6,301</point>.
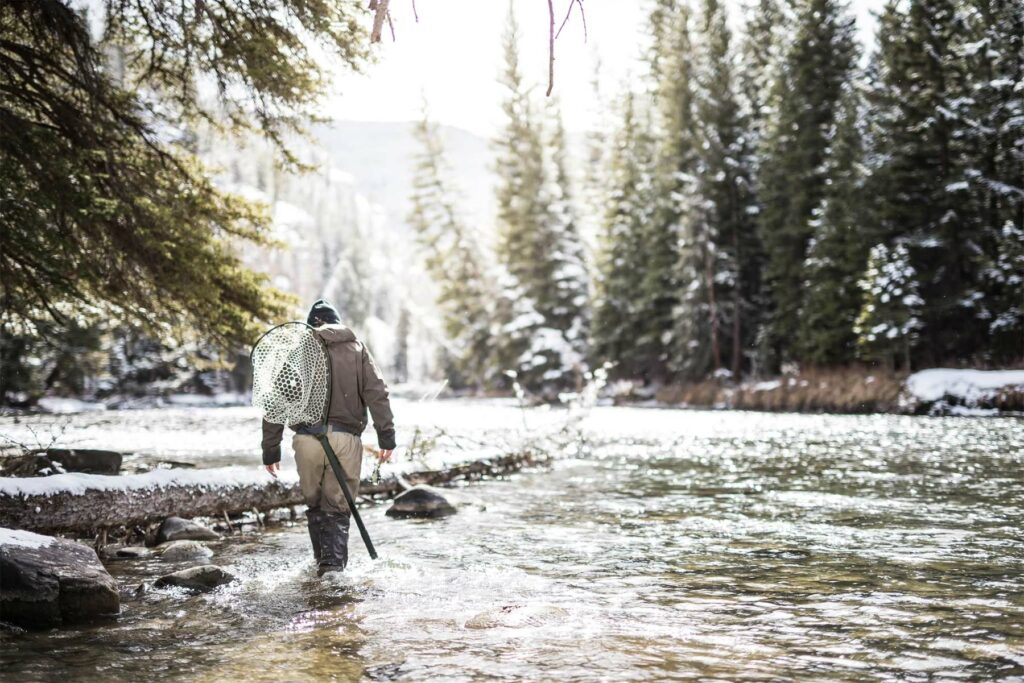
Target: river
<point>667,545</point>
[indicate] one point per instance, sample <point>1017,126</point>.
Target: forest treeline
<point>785,197</point>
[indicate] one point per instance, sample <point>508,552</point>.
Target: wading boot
<point>315,522</point>
<point>334,542</point>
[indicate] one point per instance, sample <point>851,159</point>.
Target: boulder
<point>180,551</point>
<point>421,501</point>
<point>46,581</point>
<point>204,578</point>
<point>178,529</point>
<point>89,460</point>
<point>44,463</point>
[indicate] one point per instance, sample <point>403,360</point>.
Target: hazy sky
<point>453,56</point>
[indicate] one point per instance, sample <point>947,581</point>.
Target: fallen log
<point>84,504</point>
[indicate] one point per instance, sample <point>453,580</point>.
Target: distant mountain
<point>380,157</point>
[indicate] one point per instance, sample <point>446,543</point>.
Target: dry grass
<point>846,390</point>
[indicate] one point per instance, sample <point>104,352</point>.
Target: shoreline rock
<point>46,581</point>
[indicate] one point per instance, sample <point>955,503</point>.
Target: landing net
<point>289,375</point>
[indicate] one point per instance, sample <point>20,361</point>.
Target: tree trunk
<point>98,509</point>
<point>737,305</point>
<point>716,352</point>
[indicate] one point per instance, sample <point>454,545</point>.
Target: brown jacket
<point>356,384</point>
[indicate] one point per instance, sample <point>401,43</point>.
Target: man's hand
<point>273,469</point>
<point>384,456</point>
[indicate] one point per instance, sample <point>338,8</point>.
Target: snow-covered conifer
<point>889,320</point>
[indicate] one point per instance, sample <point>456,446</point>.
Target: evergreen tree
<point>889,319</point>
<point>839,249</point>
<point>762,51</point>
<point>993,128</point>
<point>720,253</point>
<point>668,271</point>
<point>618,313</point>
<point>566,298</point>
<point>454,260</point>
<point>918,184</point>
<point>98,178</point>
<point>541,311</point>
<point>792,180</point>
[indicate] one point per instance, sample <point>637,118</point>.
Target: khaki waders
<point>328,512</point>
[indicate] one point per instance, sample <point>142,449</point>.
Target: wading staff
<point>339,474</point>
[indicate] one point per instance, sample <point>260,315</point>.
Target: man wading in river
<point>356,384</point>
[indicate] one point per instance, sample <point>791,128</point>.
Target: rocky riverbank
<point>48,581</point>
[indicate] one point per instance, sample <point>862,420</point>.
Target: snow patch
<point>23,539</point>
<point>969,385</point>
<point>52,404</point>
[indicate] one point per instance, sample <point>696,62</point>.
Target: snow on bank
<point>970,386</point>
<point>63,406</point>
<point>78,483</point>
<point>23,539</point>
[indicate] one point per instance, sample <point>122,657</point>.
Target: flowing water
<point>669,545</point>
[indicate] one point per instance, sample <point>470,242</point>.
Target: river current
<point>664,545</point>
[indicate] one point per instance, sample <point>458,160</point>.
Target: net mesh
<point>289,375</point>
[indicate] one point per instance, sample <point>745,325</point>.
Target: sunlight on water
<point>685,545</point>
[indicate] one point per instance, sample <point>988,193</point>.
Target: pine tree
<point>762,51</point>
<point>668,271</point>
<point>454,260</point>
<point>720,254</point>
<point>97,165</point>
<point>918,184</point>
<point>543,292</point>
<point>839,249</point>
<point>566,300</point>
<point>618,313</point>
<point>993,130</point>
<point>816,68</point>
<point>889,319</point>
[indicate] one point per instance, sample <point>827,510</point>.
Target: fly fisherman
<point>356,384</point>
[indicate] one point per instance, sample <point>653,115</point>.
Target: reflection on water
<point>684,545</point>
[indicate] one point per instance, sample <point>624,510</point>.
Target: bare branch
<point>583,17</point>
<point>552,35</point>
<point>572,3</point>
<point>551,47</point>
<point>415,14</point>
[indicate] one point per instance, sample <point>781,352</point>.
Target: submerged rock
<point>46,581</point>
<point>517,616</point>
<point>118,551</point>
<point>204,578</point>
<point>178,551</point>
<point>421,501</point>
<point>132,552</point>
<point>178,529</point>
